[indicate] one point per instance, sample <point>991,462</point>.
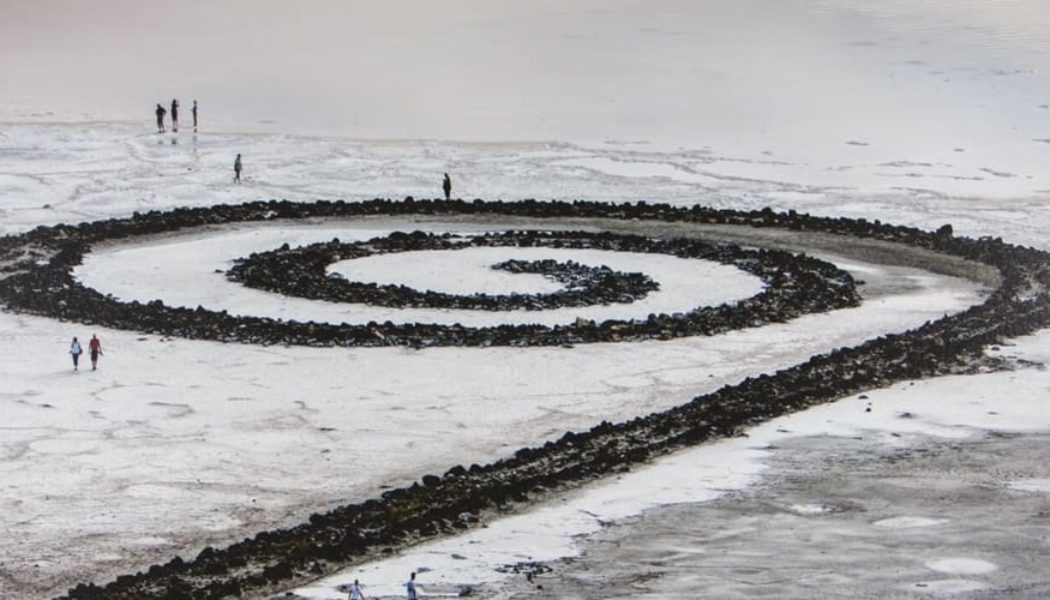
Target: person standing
<point>95,351</point>
<point>160,118</point>
<point>237,169</point>
<point>411,588</point>
<point>75,350</point>
<point>447,186</point>
<point>355,592</point>
<point>174,115</point>
<point>194,111</point>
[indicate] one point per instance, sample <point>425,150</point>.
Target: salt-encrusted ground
<point>175,444</point>
<point>913,112</point>
<point>928,487</point>
<point>940,491</point>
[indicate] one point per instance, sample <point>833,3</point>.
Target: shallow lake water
<point>795,77</point>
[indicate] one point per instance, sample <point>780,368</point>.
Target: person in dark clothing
<point>174,115</point>
<point>160,118</point>
<point>194,111</point>
<point>95,350</point>
<point>237,169</point>
<point>447,186</point>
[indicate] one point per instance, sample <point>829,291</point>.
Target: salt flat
<point>917,112</point>
<point>174,445</point>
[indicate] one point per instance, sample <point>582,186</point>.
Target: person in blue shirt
<point>411,588</point>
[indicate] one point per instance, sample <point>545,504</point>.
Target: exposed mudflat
<point>839,517</point>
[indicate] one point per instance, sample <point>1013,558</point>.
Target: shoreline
<point>835,516</point>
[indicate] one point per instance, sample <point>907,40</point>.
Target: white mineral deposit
<point>918,113</point>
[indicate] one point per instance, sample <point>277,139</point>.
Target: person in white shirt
<point>355,592</point>
<point>75,350</point>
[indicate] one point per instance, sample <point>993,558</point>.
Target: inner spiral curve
<point>303,272</point>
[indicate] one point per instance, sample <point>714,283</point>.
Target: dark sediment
<point>447,503</point>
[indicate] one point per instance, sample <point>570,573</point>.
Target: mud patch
<point>923,528</point>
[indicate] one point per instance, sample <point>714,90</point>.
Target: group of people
<point>162,112</point>
<point>174,116</point>
<point>412,590</point>
<point>94,349</point>
<point>446,184</point>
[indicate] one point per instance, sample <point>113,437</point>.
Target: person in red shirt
<point>95,348</point>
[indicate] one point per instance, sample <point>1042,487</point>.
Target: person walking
<point>355,592</point>
<point>412,589</point>
<point>237,169</point>
<point>160,118</point>
<point>174,115</point>
<point>95,351</point>
<point>447,186</point>
<point>194,111</point>
<point>75,350</point>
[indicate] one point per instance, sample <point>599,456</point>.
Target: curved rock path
<point>461,496</point>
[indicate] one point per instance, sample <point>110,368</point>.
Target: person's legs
<point>76,359</point>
